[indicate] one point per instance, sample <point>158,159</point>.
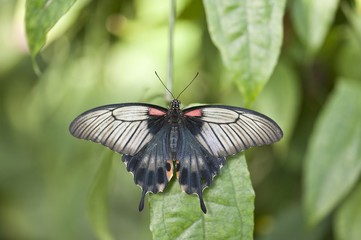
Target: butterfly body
<point>194,142</point>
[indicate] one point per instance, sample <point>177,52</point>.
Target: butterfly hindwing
<point>226,130</point>
<point>149,165</point>
<point>197,166</point>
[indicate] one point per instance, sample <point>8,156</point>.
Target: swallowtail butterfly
<point>192,142</point>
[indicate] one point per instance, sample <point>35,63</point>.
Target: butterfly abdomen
<point>173,139</point>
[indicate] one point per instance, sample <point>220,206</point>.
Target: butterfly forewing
<point>226,130</point>
<point>124,128</point>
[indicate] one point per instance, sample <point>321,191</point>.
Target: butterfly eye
<point>175,103</point>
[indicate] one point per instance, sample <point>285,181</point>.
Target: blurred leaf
<point>290,224</point>
<point>348,217</point>
<point>97,202</point>
<point>358,6</point>
<point>333,158</point>
<point>312,21</point>
<point>249,37</point>
<point>349,57</point>
<point>40,17</point>
<point>280,99</point>
<point>229,201</point>
<point>353,17</point>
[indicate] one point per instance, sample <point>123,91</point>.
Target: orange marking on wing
<point>194,113</point>
<point>154,111</point>
<point>177,164</point>
<point>169,169</point>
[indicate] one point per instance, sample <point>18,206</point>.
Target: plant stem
<point>170,56</point>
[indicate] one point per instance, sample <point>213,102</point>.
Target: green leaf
<point>312,21</point>
<point>333,158</point>
<point>289,223</point>
<point>353,15</point>
<point>249,36</point>
<point>348,217</point>
<point>98,195</point>
<point>348,58</point>
<point>40,17</point>
<point>229,202</point>
<point>282,107</point>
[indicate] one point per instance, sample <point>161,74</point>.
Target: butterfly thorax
<point>174,113</point>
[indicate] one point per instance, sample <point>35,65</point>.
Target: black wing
<point>211,133</point>
<point>139,132</point>
<point>226,130</point>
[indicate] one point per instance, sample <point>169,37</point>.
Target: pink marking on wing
<point>154,111</point>
<point>194,113</point>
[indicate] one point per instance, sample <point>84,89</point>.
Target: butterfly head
<point>175,104</point>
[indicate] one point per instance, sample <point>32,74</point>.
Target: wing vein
<point>100,133</point>
<point>255,143</point>
<point>267,124</point>
<point>204,139</point>
<point>135,131</point>
<point>89,127</point>
<point>111,133</point>
<point>79,124</point>
<point>229,138</point>
<point>210,126</point>
<point>115,142</point>
<point>244,144</point>
<point>254,130</point>
<point>96,127</point>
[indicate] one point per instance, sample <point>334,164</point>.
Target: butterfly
<point>192,142</point>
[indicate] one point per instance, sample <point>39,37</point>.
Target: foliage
<point>41,16</point>
<point>249,36</point>
<point>230,211</point>
<point>333,163</point>
<point>297,63</point>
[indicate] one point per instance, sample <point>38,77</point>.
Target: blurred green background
<point>104,52</point>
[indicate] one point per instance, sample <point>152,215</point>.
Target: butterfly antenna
<point>188,85</point>
<point>164,84</point>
